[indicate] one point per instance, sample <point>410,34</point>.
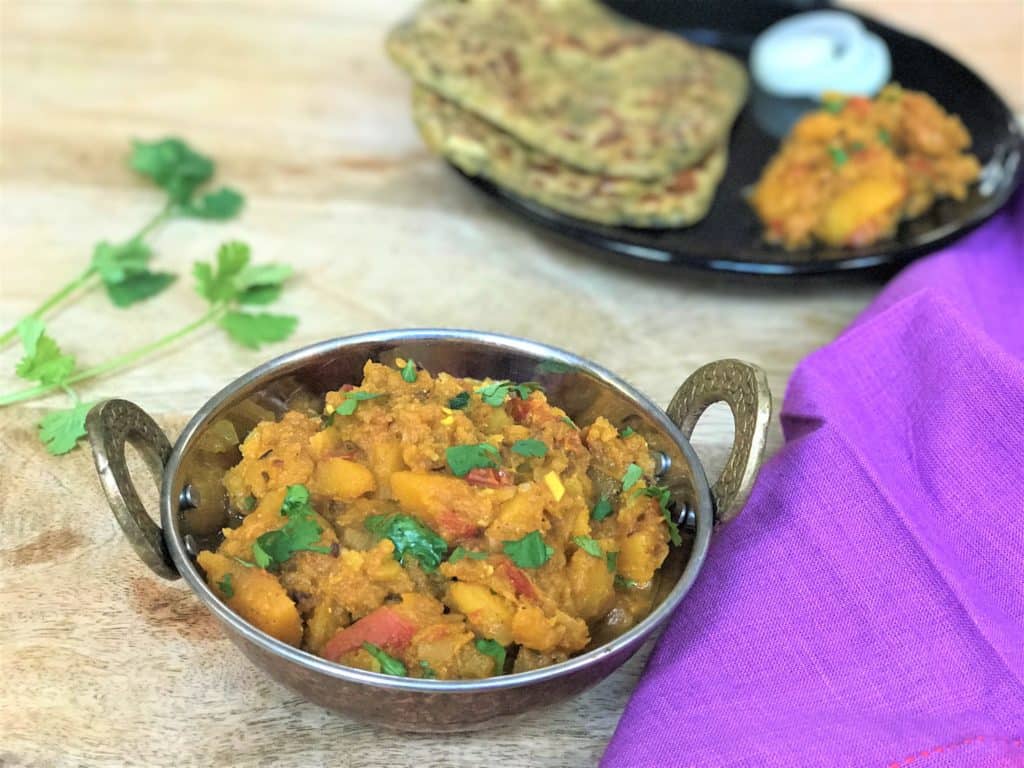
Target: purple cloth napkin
<point>867,607</point>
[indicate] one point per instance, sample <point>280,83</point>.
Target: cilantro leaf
<point>622,581</point>
<point>260,276</point>
<point>524,389</point>
<point>427,671</point>
<point>410,537</point>
<point>114,263</point>
<point>632,476</point>
<point>409,371</point>
<point>172,165</point>
<point>535,448</point>
<point>253,329</point>
<point>602,509</point>
<point>495,650</point>
<point>664,497</point>
<point>60,430</point>
<point>885,137</point>
<point>226,587</point>
<point>626,432</point>
<point>249,503</point>
<point>494,393</point>
<point>529,551</point>
<point>139,287</point>
<point>461,552</point>
<point>299,534</point>
<point>459,402</point>
<point>589,545</point>
<point>612,559</point>
<point>838,155</point>
<point>43,361</point>
<point>221,204</point>
<point>216,284</point>
<point>352,399</point>
<point>462,458</point>
<point>570,422</point>
<point>389,665</point>
<point>244,563</point>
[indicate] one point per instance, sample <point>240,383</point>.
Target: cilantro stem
<point>51,302</point>
<point>84,279</point>
<point>119,362</point>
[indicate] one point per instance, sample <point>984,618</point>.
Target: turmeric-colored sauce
<point>849,173</point>
<point>431,526</point>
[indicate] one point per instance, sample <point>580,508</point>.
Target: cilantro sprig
<point>227,285</point>
<point>460,553</point>
<point>122,268</point>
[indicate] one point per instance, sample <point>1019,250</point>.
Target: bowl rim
<point>296,359</point>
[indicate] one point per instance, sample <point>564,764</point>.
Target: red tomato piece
<point>520,581</point>
<point>488,477</point>
<point>453,527</point>
<point>384,627</point>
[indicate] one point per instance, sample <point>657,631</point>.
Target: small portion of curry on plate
<point>440,527</point>
<point>849,173</point>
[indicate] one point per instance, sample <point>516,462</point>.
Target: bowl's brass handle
<point>110,425</point>
<point>744,387</point>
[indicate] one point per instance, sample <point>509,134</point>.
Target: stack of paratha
<point>565,103</point>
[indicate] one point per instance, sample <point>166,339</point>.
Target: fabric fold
<point>867,607</point>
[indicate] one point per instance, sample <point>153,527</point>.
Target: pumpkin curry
<point>433,526</point>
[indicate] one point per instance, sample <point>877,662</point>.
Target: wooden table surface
<point>100,661</point>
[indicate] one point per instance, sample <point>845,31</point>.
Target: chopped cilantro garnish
<point>529,551</point>
<point>622,581</point>
<point>838,155</point>
<point>534,448</point>
<point>352,399</point>
<point>459,402</point>
<point>299,534</point>
<point>244,563</point>
<point>410,537</point>
<point>249,503</point>
<point>496,392</point>
<point>602,509</point>
<point>427,672</point>
<point>495,650</point>
<point>589,545</point>
<point>409,371</point>
<point>626,432</point>
<point>632,476</point>
<point>885,137</point>
<point>856,146</point>
<point>461,552</point>
<point>570,422</point>
<point>462,458</point>
<point>226,587</point>
<point>612,560</point>
<point>661,493</point>
<point>389,665</point>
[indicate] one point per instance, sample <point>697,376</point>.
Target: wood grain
<point>101,662</point>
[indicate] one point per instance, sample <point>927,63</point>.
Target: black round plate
<point>729,238</point>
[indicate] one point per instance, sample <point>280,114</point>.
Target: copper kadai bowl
<point>193,508</point>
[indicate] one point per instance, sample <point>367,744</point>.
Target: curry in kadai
<point>440,527</point>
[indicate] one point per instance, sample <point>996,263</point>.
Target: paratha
<point>480,149</point>
<point>576,81</point>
